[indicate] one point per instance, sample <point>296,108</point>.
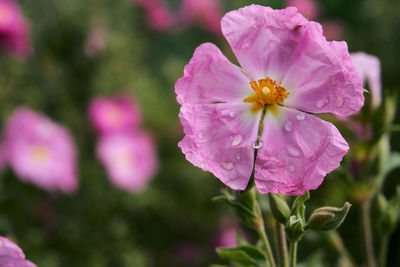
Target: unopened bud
<point>294,228</point>
<point>279,208</point>
<point>328,218</point>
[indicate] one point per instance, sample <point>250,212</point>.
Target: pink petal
<point>11,255</point>
<point>130,159</point>
<point>322,77</point>
<point>210,77</point>
<point>207,12</point>
<point>299,150</point>
<point>369,68</point>
<point>263,40</point>
<point>219,138</point>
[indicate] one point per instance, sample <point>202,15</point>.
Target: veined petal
<point>263,39</point>
<point>369,68</point>
<point>322,77</point>
<point>210,77</point>
<point>299,150</point>
<point>219,138</point>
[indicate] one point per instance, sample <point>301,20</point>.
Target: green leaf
<point>247,255</point>
<point>392,162</point>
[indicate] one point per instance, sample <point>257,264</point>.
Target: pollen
<point>266,92</point>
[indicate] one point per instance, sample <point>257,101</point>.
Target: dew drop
<point>232,114</point>
<point>236,140</point>
<point>227,165</point>
<point>238,156</point>
<point>203,165</point>
<point>288,126</point>
<point>322,102</point>
<point>200,135</point>
<point>300,116</point>
<point>339,101</point>
<point>246,44</point>
<point>258,145</point>
<point>294,151</point>
<point>292,168</point>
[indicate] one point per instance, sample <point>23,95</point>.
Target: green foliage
<point>245,255</point>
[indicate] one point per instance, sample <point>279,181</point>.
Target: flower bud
<point>294,228</point>
<point>328,218</point>
<point>279,208</point>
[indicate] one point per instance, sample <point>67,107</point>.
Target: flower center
<point>267,92</point>
<point>40,154</point>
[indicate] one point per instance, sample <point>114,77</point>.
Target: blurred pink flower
<point>227,237</point>
<point>95,42</point>
<point>130,159</point>
<point>2,157</point>
<point>206,12</point>
<point>308,8</point>
<point>288,69</point>
<point>333,29</point>
<point>14,29</point>
<point>369,68</point>
<point>40,151</point>
<point>11,255</point>
<point>113,115</point>
<point>158,15</point>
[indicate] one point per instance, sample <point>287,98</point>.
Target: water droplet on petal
<point>232,114</point>
<point>322,102</point>
<point>236,140</point>
<point>238,156</point>
<point>294,151</point>
<point>288,126</point>
<point>292,168</point>
<point>246,44</point>
<point>300,116</point>
<point>339,101</point>
<point>258,145</point>
<point>227,165</point>
<point>200,135</point>
<point>203,165</point>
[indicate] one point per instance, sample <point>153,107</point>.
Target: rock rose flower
<point>112,115</point>
<point>11,255</point>
<point>159,16</point>
<point>40,151</point>
<point>14,29</point>
<point>289,71</point>
<point>205,12</point>
<point>369,67</point>
<point>129,158</point>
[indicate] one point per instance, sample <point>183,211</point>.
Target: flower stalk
<point>367,232</point>
<point>293,253</point>
<point>282,245</point>
<point>264,238</point>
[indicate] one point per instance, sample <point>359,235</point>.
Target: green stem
<point>367,232</point>
<point>383,252</point>
<point>293,253</point>
<point>282,245</point>
<point>337,241</point>
<point>264,238</point>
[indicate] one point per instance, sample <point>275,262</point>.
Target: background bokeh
<point>173,222</point>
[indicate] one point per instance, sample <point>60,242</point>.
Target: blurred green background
<point>173,222</point>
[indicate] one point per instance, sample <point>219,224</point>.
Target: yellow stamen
<point>267,92</point>
<point>40,153</point>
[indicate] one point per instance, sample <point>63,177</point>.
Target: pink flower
<point>129,158</point>
<point>333,29</point>
<point>2,157</point>
<point>11,255</point>
<point>14,29</point>
<point>40,151</point>
<point>369,68</point>
<point>289,71</point>
<point>112,115</point>
<point>159,16</point>
<point>227,237</point>
<point>95,43</point>
<point>308,8</point>
<point>206,12</point>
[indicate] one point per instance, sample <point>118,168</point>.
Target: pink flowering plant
<point>11,255</point>
<point>257,124</point>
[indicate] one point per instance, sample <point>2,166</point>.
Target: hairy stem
<point>367,232</point>
<point>383,251</point>
<point>293,253</point>
<point>282,245</point>
<point>264,238</point>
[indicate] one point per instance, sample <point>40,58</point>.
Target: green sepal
<point>246,255</point>
<point>294,228</point>
<point>279,208</point>
<point>327,218</point>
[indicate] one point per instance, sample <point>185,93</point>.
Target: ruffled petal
<point>369,68</point>
<point>210,77</point>
<point>299,150</point>
<point>263,40</point>
<point>219,138</point>
<point>322,77</point>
